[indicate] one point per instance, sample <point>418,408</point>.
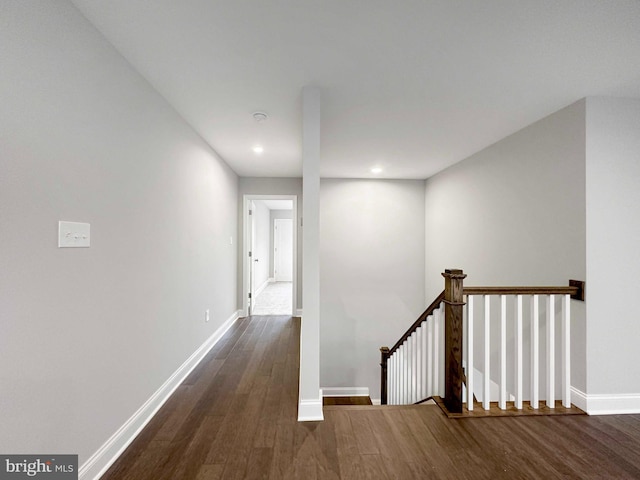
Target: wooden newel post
<point>384,356</point>
<point>453,375</point>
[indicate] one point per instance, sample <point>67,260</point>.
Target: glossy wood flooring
<point>235,417</point>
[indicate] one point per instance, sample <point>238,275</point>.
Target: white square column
<point>310,395</point>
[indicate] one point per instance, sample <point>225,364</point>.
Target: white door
<point>283,250</point>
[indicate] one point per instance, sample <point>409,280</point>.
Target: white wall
<point>371,274</point>
<point>272,186</point>
<point>262,252</point>
<point>87,335</point>
<point>613,256</point>
<point>514,214</point>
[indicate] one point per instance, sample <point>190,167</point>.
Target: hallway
<point>235,417</point>
<point>275,299</point>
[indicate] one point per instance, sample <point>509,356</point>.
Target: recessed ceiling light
<point>258,149</point>
<point>376,170</point>
<point>260,116</point>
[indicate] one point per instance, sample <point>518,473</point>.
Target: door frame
<point>246,247</point>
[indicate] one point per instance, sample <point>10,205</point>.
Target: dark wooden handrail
<point>435,304</point>
<point>520,290</point>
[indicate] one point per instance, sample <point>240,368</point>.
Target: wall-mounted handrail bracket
<point>580,285</point>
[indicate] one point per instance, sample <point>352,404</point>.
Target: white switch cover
<point>73,234</point>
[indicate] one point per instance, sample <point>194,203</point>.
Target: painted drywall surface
<point>514,214</point>
<point>613,232</point>
<point>271,186</point>
<point>371,274</point>
<point>88,335</point>
<point>262,252</point>
<point>276,214</point>
<point>309,393</point>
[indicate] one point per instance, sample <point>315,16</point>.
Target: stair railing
<point>416,367</point>
<point>411,369</point>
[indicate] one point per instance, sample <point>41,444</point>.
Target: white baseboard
<point>108,453</point>
<point>345,391</point>
<point>261,288</point>
<point>271,280</point>
<point>606,404</point>
<point>298,312</point>
<point>579,399</point>
<point>310,410</point>
<point>376,401</point>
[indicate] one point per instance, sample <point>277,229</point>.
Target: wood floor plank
<point>210,472</point>
<point>365,439</point>
<point>195,454</point>
<point>282,461</point>
<point>267,422</point>
<point>329,467</point>
<point>393,455</point>
<point>434,458</point>
<point>373,467</point>
<point>259,463</point>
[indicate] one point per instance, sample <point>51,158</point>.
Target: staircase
<point>486,351</point>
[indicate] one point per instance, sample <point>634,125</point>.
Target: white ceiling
<point>409,85</point>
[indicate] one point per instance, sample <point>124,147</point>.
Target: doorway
<point>269,255</point>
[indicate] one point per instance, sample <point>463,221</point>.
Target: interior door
<point>283,250</point>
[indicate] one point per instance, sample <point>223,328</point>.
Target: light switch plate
<point>74,235</point>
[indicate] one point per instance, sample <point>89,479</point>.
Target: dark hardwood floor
<point>235,417</point>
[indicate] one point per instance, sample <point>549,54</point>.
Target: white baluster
<point>430,327</point>
<point>405,373</point>
<point>436,352</point>
<point>470,353</point>
<point>400,368</point>
<point>486,396</point>
<point>441,351</point>
<point>551,351</point>
<point>502,403</point>
<point>535,355</point>
<point>396,393</point>
<point>414,368</point>
<point>519,340</point>
<point>425,361</point>
<point>409,363</point>
<point>410,370</point>
<point>390,381</point>
<point>566,351</point>
<point>396,375</point>
<point>394,380</point>
<point>419,353</point>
